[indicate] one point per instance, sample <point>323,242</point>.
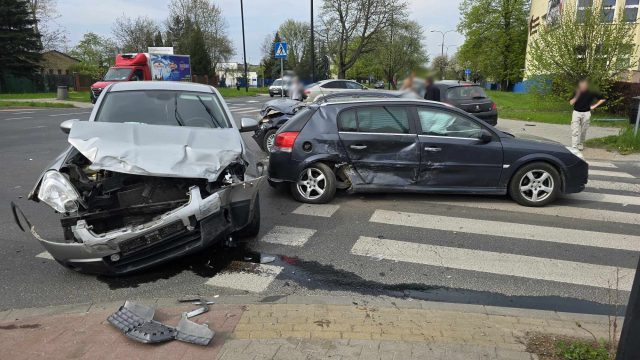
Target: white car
<point>327,87</point>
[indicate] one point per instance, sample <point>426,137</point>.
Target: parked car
<point>402,145</point>
<point>327,87</point>
<point>469,97</point>
<point>158,172</point>
<point>379,84</point>
<point>276,113</point>
<point>279,87</point>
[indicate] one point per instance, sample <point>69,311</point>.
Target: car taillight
<point>285,140</point>
<point>494,107</point>
<point>307,92</point>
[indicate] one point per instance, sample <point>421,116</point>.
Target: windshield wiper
<point>176,113</point>
<point>209,112</point>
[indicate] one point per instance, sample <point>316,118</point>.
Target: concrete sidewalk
<point>296,327</point>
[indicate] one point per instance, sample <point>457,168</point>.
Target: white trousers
<point>579,126</point>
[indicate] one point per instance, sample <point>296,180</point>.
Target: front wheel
<point>535,185</point>
<point>316,185</point>
<point>268,140</point>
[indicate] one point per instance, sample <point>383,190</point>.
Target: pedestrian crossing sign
<point>281,50</point>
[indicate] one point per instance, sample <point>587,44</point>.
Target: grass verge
<point>553,347</point>
<point>624,143</point>
<point>6,104</point>
<point>233,92</point>
<point>546,109</point>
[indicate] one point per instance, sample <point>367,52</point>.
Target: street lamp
<point>448,46</point>
<point>313,49</point>
<point>244,48</point>
<point>443,36</point>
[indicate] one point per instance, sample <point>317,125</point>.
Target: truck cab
<point>128,67</point>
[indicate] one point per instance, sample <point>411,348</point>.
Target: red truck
<point>144,66</point>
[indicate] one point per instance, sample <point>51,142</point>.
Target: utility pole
<point>313,48</point>
<point>391,76</point>
<point>244,48</point>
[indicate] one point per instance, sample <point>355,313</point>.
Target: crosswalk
<point>596,234</point>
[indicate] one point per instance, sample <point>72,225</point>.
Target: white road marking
<point>19,118</point>
<point>602,164</point>
<point>256,278</point>
<point>608,198</point>
<point>550,210</point>
<point>45,255</point>
<point>76,113</point>
<point>322,210</point>
<point>496,263</point>
<point>253,101</point>
<point>613,185</point>
<point>247,111</point>
<point>291,236</point>
<point>507,229</point>
<point>618,174</point>
<point>22,112</point>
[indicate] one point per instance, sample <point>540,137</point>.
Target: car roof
<point>455,83</point>
<point>159,85</point>
<point>363,93</point>
<point>389,101</point>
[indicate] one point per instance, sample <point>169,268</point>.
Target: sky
<point>261,18</point>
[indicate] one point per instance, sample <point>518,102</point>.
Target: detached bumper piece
<point>136,322</point>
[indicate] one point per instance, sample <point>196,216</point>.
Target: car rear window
<point>466,93</point>
<point>299,120</point>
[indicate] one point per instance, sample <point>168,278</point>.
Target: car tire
<point>253,227</point>
<point>535,185</point>
<point>269,138</point>
<point>316,185</point>
<point>270,94</point>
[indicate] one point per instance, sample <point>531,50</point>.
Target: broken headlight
<point>57,192</point>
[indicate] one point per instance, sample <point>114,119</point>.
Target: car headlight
<point>57,192</point>
<point>575,152</point>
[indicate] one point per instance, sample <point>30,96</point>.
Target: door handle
<point>358,147</point>
<point>432,149</point>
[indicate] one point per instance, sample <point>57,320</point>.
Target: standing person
<point>295,89</point>
<point>407,84</point>
<point>431,91</point>
<point>583,104</point>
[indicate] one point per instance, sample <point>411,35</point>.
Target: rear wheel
<point>535,185</point>
<point>316,185</point>
<point>269,140</point>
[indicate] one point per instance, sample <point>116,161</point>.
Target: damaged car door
<point>157,173</point>
<point>381,145</point>
<point>458,153</point>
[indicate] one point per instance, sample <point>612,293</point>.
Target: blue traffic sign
<point>467,72</point>
<point>280,50</point>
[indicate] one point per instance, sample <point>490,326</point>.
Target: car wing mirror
<point>248,124</point>
<point>486,136</point>
<point>66,125</point>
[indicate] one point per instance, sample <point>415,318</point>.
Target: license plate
<point>150,238</point>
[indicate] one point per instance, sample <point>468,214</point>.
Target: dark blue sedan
<point>402,145</point>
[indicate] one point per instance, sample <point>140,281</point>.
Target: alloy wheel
<point>271,139</point>
<point>311,184</point>
<point>536,185</point>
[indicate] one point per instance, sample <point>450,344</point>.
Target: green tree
<point>578,46</point>
<point>157,41</point>
<point>20,46</point>
<point>400,51</point>
<point>270,64</point>
<point>200,59</point>
<point>297,35</point>
<point>96,54</point>
<point>134,34</point>
<point>495,38</point>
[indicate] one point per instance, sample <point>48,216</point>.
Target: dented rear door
<point>381,144</point>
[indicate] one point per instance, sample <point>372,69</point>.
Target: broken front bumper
<point>193,226</point>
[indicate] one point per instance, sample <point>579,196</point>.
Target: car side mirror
<point>66,125</point>
<point>248,124</point>
<point>486,136</point>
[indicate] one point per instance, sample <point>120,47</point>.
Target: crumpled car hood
<point>285,106</point>
<point>157,150</point>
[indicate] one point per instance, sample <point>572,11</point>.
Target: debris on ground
<point>135,320</point>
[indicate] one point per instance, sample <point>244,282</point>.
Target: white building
<point>230,73</point>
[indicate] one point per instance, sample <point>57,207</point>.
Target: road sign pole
<point>635,131</point>
<point>629,346</point>
<point>244,49</point>
<point>282,76</point>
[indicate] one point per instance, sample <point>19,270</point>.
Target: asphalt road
<point>484,250</point>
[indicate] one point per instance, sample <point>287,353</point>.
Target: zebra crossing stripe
<point>256,278</point>
<point>321,210</point>
<point>291,236</point>
<point>496,263</point>
<point>602,164</point>
<point>507,229</point>
<point>618,174</point>
<point>613,185</point>
<point>608,198</point>
<point>550,210</point>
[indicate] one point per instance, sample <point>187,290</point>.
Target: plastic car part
<point>131,315</point>
<point>191,332</point>
<point>152,332</point>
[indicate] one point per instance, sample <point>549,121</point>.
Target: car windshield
<point>115,74</point>
<point>277,83</point>
<point>163,107</point>
<point>466,93</point>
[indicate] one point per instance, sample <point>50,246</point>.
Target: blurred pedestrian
<point>431,91</point>
<point>407,84</point>
<point>584,101</point>
<point>295,89</point>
